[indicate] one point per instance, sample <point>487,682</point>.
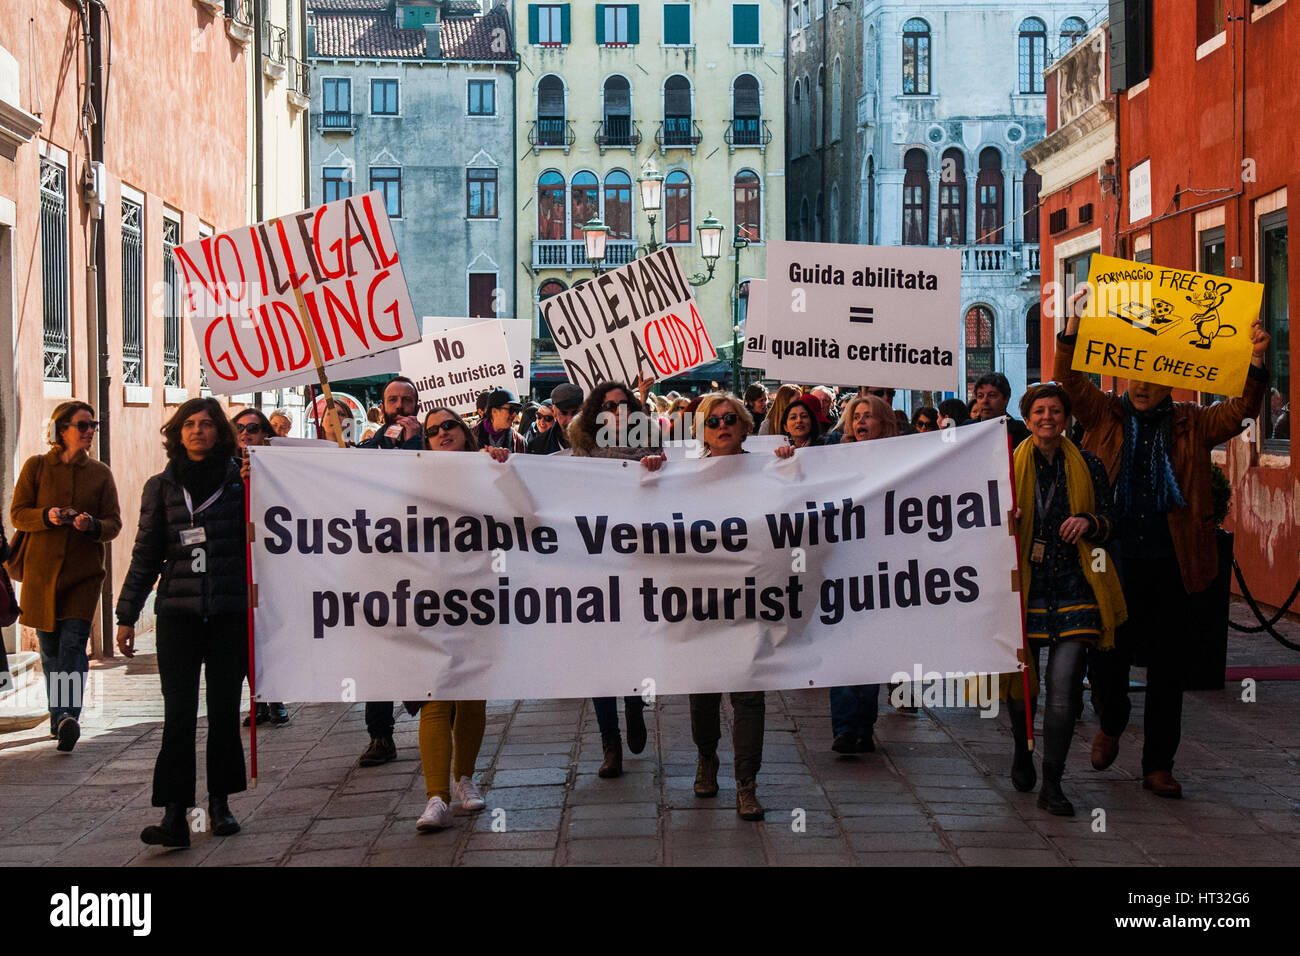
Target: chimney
<point>433,41</point>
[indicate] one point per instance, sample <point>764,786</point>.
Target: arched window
<point>805,116</point>
<point>819,108</point>
<point>618,204</point>
<point>1033,54</point>
<point>548,288</point>
<point>1033,185</point>
<point>916,198</point>
<point>618,111</point>
<point>870,237</point>
<point>989,208</point>
<point>677,207</point>
<point>677,111</point>
<point>979,345</point>
<point>835,213</point>
<point>916,56</point>
<point>805,230</point>
<point>1034,344</point>
<point>817,219</point>
<point>837,99</point>
<point>745,113</point>
<point>1072,31</point>
<point>746,203</point>
<point>550,111</point>
<point>796,125</point>
<point>550,205</point>
<point>584,201</point>
<point>952,198</point>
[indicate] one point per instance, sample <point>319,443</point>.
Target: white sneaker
<point>471,801</point>
<point>436,816</point>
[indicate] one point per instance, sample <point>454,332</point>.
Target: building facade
<point>1161,149</point>
<point>692,87</point>
<point>416,99</point>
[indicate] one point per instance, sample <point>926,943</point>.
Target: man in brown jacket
<point>1157,454</point>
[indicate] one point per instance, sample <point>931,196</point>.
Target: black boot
<point>220,818</point>
<point>612,745</point>
<point>1050,797</point>
<point>174,829</point>
<point>1023,775</point>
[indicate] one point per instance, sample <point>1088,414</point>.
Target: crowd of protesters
<point>1132,476</point>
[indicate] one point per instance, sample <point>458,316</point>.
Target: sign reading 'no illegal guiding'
<point>854,315</point>
<point>637,320</point>
<point>1168,326</point>
<point>250,293</point>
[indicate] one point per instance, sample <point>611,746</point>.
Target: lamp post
<point>594,234</point>
<point>737,243</point>
<point>651,183</point>
<point>710,231</point>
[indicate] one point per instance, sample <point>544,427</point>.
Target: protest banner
<point>1168,326</point>
<point>519,340</point>
<point>678,448</point>
<point>458,577</point>
<point>261,299</point>
<point>638,320</point>
<point>450,369</point>
<point>755,354</point>
<point>849,315</point>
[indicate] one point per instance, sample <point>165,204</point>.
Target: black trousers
<point>1157,630</point>
<point>220,645</point>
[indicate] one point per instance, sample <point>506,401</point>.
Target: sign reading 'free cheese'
<point>249,293</point>
<point>1168,326</point>
<point>638,320</point>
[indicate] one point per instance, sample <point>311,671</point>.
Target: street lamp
<point>594,234</point>
<point>710,231</point>
<point>737,243</point>
<point>651,184</point>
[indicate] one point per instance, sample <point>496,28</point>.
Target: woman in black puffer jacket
<point>192,533</point>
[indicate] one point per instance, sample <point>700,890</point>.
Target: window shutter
<point>565,35</point>
<point>677,97</point>
<point>600,24</point>
<point>633,24</point>
<point>746,96</point>
<point>677,23</point>
<point>744,23</point>
<point>533,29</point>
<point>550,97</point>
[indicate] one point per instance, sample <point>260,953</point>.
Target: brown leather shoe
<point>706,776</point>
<point>747,804</point>
<point>613,765</point>
<point>1105,749</point>
<point>1163,784</point>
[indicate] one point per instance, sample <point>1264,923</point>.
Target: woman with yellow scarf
<point>1069,584</point>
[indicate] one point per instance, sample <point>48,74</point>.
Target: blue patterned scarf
<point>1167,493</point>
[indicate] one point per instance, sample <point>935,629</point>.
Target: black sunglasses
<point>250,427</point>
<point>613,406</point>
<point>546,418</point>
<point>84,427</point>
<point>449,425</point>
<point>728,419</point>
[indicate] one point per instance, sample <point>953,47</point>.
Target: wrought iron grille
<point>171,306</point>
<point>54,271</point>
<point>132,294</point>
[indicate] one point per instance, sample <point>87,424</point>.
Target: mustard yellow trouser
<point>445,724</point>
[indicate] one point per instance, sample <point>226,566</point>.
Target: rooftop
<point>367,29</point>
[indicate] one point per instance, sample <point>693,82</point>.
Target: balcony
<point>617,132</point>
<point>570,254</point>
<point>867,110</point>
<point>917,108</point>
<point>678,132</point>
<point>747,133</point>
<point>1000,259</point>
<point>551,133</point>
<point>274,51</point>
<point>239,21</point>
<point>336,121</point>
<point>299,91</point>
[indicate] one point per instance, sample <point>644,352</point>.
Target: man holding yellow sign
<point>1168,326</point>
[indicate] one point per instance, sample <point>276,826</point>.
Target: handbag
<point>18,546</point>
<point>9,609</point>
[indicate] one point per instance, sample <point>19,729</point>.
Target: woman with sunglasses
<point>65,505</point>
<point>925,419</point>
<point>451,731</point>
<point>609,415</point>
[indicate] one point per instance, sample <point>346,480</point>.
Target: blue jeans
<point>854,709</point>
<point>65,663</point>
<point>607,712</point>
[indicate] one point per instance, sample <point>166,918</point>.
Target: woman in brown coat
<point>66,502</point>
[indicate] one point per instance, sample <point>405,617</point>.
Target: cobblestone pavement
<point>936,792</point>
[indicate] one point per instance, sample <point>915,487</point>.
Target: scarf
<point>201,478</point>
<point>1167,493</point>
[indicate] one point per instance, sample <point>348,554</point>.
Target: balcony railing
<point>618,132</point>
<point>1000,258</point>
<point>299,77</point>
<point>570,254</point>
<point>747,132</point>
<point>239,20</point>
<point>274,50</point>
<point>678,132</point>
<point>551,133</point>
<point>336,121</point>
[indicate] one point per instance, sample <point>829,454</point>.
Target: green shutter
<point>600,24</point>
<point>744,23</point>
<point>633,24</point>
<point>565,36</point>
<point>533,28</point>
<point>677,23</point>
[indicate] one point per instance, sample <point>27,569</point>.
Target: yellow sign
<point>1167,326</point>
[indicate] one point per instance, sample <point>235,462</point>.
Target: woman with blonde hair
<point>776,409</point>
<point>866,418</point>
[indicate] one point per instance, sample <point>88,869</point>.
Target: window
<point>482,98</point>
<point>678,130</point>
<point>1072,31</point>
<point>171,238</point>
<point>817,219</point>
<point>837,99</point>
<point>618,204</point>
<point>1033,185</point>
<point>383,97</point>
<point>1033,54</point>
<point>336,183</point>
<point>584,201</point>
<point>1034,344</point>
<point>916,56</point>
<point>388,180</point>
<point>617,25</point>
<point>55,329</point>
<point>1212,261</point>
<point>805,117</point>
<point>952,198</point>
<point>803,13</point>
<point>133,335</point>
<point>746,195</point>
<point>979,345</point>
<point>796,122</point>
<point>677,208</point>
<point>551,128</point>
<point>548,24</point>
<point>819,8</point>
<point>548,288</point>
<point>677,24</point>
<point>989,208</point>
<point>481,193</point>
<point>745,113</point>
<point>744,24</point>
<point>482,293</point>
<point>805,227</point>
<point>1276,315</point>
<point>618,112</point>
<point>819,107</point>
<point>337,113</point>
<point>870,201</point>
<point>1209,20</point>
<point>550,206</point>
<point>835,213</point>
<point>916,198</point>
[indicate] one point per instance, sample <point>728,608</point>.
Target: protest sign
<point>849,314</point>
<point>638,320</point>
<point>256,295</point>
<point>450,369</point>
<point>1168,326</point>
<point>755,354</point>
<point>519,341</point>
<point>459,577</point>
